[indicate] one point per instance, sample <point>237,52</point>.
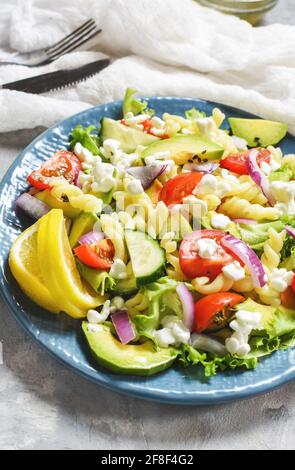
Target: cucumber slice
<point>183,147</point>
<point>147,257</point>
<point>130,138</point>
<point>126,287</point>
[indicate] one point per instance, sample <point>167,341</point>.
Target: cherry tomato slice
<point>179,187</point>
<point>213,311</point>
<point>293,283</point>
<point>236,162</point>
<point>98,256</point>
<point>192,265</point>
<point>288,298</point>
<point>62,164</point>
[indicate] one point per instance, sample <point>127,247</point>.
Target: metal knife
<point>59,79</point>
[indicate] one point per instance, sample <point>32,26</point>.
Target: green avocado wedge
<point>189,144</point>
<point>142,360</point>
<point>258,132</point>
<point>129,138</point>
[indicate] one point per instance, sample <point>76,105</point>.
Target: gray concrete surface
<point>44,406</point>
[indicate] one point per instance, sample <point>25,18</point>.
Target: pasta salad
<point>172,237</point>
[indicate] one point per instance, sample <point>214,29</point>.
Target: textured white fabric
<point>160,47</point>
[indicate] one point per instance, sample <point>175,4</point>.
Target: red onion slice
<point>245,221</point>
<point>146,174</point>
<point>249,258</point>
<point>91,238</point>
<point>187,301</point>
<point>123,326</point>
<point>32,206</point>
<point>290,230</point>
<point>205,343</point>
<point>258,176</point>
<point>206,167</point>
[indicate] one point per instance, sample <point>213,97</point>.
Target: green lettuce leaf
<point>163,300</point>
<point>134,105</point>
<point>100,281</point>
<point>277,332</point>
<point>233,228</point>
<point>88,138</point>
<point>256,235</point>
<point>285,173</point>
<point>194,114</point>
<point>212,363</point>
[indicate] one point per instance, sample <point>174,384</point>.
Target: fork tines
<point>84,33</point>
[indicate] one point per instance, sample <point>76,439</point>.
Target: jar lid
<point>240,6</point>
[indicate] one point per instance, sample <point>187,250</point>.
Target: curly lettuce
<point>194,114</point>
<point>134,105</point>
<point>163,300</point>
<point>100,281</point>
<point>87,137</point>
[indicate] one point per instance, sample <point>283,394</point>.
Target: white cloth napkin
<point>160,47</point>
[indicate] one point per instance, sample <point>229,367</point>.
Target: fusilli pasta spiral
<point>236,207</point>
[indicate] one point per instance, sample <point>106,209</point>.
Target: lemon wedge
<point>23,262</point>
<point>58,267</point>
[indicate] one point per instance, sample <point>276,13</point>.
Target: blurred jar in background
<point>250,10</point>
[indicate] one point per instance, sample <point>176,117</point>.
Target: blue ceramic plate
<point>61,336</point>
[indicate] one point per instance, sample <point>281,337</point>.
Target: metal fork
<point>77,38</point>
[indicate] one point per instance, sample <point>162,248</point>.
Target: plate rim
<point>104,379</point>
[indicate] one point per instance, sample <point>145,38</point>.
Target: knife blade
<point>59,79</point>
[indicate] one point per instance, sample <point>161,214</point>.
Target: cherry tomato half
<point>288,298</point>
<point>293,283</point>
<point>236,162</point>
<point>192,265</point>
<point>179,187</point>
<point>213,311</point>
<point>98,256</point>
<point>62,164</point>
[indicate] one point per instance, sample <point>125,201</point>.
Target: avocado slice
<point>184,147</point>
<point>129,138</point>
<point>258,132</point>
<point>121,358</point>
<point>82,224</point>
<point>54,203</point>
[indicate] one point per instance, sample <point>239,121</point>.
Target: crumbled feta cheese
<point>164,337</point>
<point>207,185</point>
<point>95,317</point>
<point>234,271</point>
<point>206,247</point>
<point>157,132</point>
<point>206,125</point>
<point>240,143</point>
<point>133,185</point>
<point>132,120</point>
<point>158,122</point>
<point>173,332</point>
<point>225,174</point>
<point>180,332</point>
<point>284,193</point>
<point>280,279</point>
<point>244,323</point>
<point>194,201</point>
<point>220,221</point>
<point>84,154</point>
<point>118,269</point>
